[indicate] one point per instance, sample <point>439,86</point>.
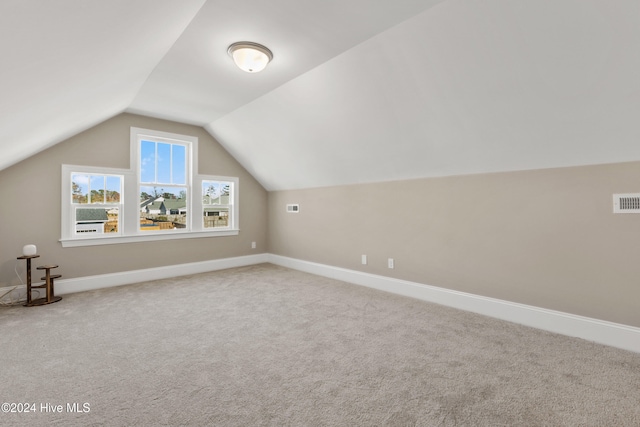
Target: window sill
<point>151,237</point>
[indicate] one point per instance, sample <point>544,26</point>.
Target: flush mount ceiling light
<point>250,57</point>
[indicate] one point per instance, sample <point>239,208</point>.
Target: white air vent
<point>293,208</point>
<point>626,203</point>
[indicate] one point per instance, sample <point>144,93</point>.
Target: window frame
<point>191,144</point>
<point>69,208</point>
<point>129,208</point>
<point>232,205</point>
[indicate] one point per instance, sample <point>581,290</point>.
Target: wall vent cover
<point>293,208</point>
<point>626,203</point>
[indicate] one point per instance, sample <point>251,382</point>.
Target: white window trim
<point>130,217</point>
<point>235,208</point>
<point>137,134</point>
<point>67,225</point>
<point>111,240</point>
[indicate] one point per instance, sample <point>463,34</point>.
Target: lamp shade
<point>29,250</point>
<point>250,57</point>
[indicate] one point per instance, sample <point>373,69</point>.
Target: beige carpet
<point>268,346</point>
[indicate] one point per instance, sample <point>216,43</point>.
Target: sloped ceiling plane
<point>358,90</point>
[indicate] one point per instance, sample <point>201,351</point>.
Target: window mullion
<point>155,162</point>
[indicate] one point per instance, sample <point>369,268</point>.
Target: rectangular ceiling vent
<point>293,208</point>
<point>626,203</point>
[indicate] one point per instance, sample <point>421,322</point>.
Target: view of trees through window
<point>96,199</point>
<point>95,188</point>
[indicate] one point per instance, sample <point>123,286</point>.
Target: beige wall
<point>30,212</point>
<point>546,238</point>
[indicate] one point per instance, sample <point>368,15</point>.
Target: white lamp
<point>29,250</point>
<point>250,57</point>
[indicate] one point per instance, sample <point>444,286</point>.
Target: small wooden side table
<point>48,285</point>
<point>28,258</point>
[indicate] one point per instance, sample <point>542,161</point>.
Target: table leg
<point>28,281</point>
<point>48,283</point>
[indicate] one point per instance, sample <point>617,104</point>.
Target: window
<point>161,196</point>
<point>164,189</point>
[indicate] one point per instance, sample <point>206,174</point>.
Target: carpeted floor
<point>268,346</point>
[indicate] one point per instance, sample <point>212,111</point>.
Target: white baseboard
<point>81,284</point>
<point>600,331</point>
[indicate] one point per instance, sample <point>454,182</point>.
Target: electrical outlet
<point>364,260</point>
<point>390,263</point>
<point>253,245</point>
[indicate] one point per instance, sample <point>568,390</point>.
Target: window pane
<point>216,193</point>
<point>147,192</point>
<point>79,188</point>
<point>215,217</point>
<point>113,222</point>
<point>163,209</point>
<point>96,186</point>
<point>225,192</point>
<point>164,163</point>
<point>147,161</point>
<point>210,192</point>
<point>96,220</point>
<point>179,164</point>
<point>113,189</point>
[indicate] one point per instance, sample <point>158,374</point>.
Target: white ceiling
<point>358,91</point>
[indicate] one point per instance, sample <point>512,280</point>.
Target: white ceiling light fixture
<point>250,57</point>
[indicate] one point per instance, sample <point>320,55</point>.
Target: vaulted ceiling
<point>358,91</point>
